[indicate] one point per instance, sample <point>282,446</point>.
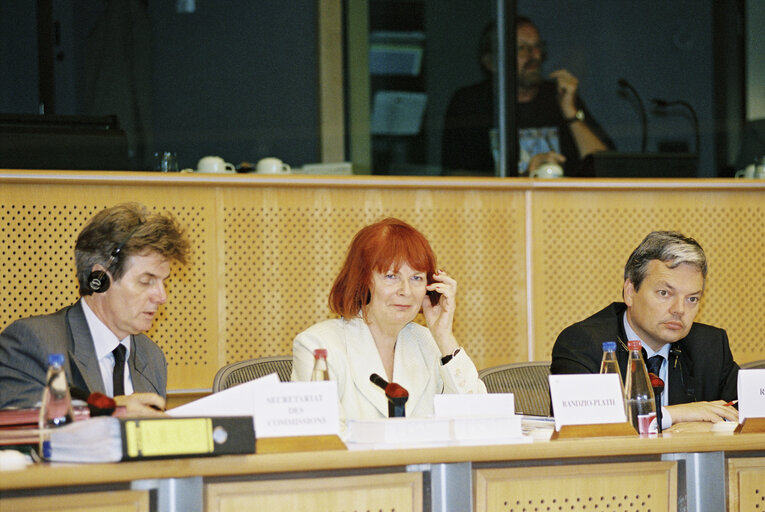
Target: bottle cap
<point>320,352</point>
<point>634,345</point>
<point>56,359</point>
<point>609,346</point>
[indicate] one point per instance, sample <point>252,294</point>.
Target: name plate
<point>297,409</point>
<point>751,394</point>
<point>587,399</point>
<point>479,404</point>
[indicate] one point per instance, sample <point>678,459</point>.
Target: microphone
<point>658,386</point>
<point>397,396</point>
<point>664,104</point>
<point>643,118</point>
<point>379,381</point>
<point>98,403</point>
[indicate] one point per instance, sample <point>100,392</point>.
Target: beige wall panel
<point>639,486</point>
<point>746,484</point>
<point>582,239</point>
<point>38,229</point>
<point>401,492</point>
<point>114,501</point>
<point>284,248</point>
<point>265,256</point>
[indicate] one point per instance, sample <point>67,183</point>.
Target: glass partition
<point>402,87</point>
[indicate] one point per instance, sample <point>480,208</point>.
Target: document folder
<point>109,439</point>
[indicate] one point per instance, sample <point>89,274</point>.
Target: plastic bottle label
<point>647,423</point>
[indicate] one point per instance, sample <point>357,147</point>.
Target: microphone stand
<point>643,117</point>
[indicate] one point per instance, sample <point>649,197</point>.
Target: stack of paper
<point>94,440</point>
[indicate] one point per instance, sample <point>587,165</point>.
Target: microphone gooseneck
<point>664,104</point>
<point>643,116</point>
<point>658,387</point>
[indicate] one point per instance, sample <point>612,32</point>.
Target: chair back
<point>251,369</point>
<point>754,365</point>
<point>528,381</point>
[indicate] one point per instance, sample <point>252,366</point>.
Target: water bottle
<point>320,368</point>
<point>56,406</point>
<point>641,406</point>
<point>609,364</point>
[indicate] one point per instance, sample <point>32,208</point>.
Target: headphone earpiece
<point>99,281</point>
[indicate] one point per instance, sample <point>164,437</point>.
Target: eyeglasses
<point>525,49</point>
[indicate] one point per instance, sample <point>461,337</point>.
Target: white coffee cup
<point>547,170</point>
<point>748,172</point>
<point>272,165</point>
<point>214,164</point>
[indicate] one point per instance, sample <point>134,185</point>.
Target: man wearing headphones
<point>664,281</point>
<point>123,256</point>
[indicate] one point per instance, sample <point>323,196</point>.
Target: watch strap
<point>449,357</point>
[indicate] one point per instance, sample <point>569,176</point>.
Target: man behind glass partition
<point>553,123</point>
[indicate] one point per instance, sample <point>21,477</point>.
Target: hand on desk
<point>142,404</point>
<point>702,411</point>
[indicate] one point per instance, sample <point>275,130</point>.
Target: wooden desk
<point>687,472</point>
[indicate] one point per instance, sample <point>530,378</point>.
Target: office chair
<point>251,369</point>
<point>527,381</point>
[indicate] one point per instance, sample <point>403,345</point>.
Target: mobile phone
<point>434,297</point>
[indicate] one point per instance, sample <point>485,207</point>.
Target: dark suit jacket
<point>701,366</point>
<point>26,343</point>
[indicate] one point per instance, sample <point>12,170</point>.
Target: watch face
<point>579,115</point>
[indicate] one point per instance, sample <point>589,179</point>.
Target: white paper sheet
<point>234,401</point>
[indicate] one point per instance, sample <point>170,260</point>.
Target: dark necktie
<point>654,364</point>
<point>118,377</point>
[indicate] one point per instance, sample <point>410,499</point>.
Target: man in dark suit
<point>123,257</point>
<point>663,284</point>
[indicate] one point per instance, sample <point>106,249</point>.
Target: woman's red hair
<point>376,248</point>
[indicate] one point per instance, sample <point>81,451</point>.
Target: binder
<point>110,439</point>
<point>151,438</point>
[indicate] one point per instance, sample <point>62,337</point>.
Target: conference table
<point>694,471</point>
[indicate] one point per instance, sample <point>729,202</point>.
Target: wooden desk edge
<point>367,181</point>
<point>60,475</point>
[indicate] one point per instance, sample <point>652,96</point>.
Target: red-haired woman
<point>389,276</point>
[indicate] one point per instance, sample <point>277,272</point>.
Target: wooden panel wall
<point>583,239</point>
<point>266,251</point>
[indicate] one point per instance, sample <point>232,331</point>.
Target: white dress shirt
<point>105,342</point>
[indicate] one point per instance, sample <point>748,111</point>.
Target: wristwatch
<point>449,357</point>
<point>579,116</point>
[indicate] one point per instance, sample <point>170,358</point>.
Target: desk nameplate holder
<point>750,425</point>
<point>595,430</point>
<point>298,444</point>
<point>589,405</point>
